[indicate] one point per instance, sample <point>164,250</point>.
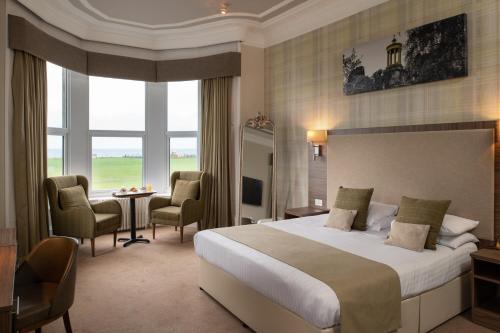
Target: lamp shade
<point>316,136</point>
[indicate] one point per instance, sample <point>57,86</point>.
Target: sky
<point>116,104</point>
<point>374,55</point>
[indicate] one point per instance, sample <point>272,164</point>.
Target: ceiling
<point>156,14</point>
<point>182,24</point>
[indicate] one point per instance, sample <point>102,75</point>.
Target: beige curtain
<point>29,91</point>
<point>215,158</point>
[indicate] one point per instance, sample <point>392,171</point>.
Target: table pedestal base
<point>129,241</point>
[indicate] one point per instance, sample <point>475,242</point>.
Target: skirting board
<point>419,314</point>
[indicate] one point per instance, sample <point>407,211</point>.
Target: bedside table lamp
<point>316,138</point>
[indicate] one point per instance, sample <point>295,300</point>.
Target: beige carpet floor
<point>153,288</point>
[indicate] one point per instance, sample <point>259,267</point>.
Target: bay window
<point>131,133</point>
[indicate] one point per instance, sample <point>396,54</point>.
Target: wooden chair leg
<point>182,233</point>
<point>154,231</point>
<point>92,245</point>
<point>175,228</point>
<point>67,323</point>
<point>198,224</point>
<point>115,234</point>
<point>81,240</point>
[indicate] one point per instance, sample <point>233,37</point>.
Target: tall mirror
<point>257,171</point>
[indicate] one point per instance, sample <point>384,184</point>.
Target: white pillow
<point>456,241</point>
<point>455,225</point>
<point>380,215</point>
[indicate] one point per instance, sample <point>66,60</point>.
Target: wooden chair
<point>45,284</point>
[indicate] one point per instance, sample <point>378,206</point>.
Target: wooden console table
<point>486,288</point>
<point>292,213</point>
<point>8,256</point>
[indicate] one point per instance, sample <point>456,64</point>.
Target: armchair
<point>85,221</point>
<point>163,211</point>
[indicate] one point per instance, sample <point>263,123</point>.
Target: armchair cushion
<point>106,223</point>
<point>171,213</point>
<point>185,189</point>
<point>73,197</point>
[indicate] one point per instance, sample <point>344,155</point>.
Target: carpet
<point>153,288</point>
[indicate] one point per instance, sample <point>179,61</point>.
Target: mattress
<point>310,298</point>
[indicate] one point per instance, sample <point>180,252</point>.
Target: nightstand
<point>292,213</point>
<point>486,288</point>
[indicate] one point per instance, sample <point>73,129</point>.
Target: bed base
<point>419,314</point>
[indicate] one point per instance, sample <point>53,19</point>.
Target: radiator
<point>141,211</point>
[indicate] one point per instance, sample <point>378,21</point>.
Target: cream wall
<point>304,79</point>
<point>252,81</point>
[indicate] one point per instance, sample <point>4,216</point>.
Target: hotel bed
<point>442,161</point>
<point>310,298</point>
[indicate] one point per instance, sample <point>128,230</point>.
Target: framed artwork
<point>432,52</point>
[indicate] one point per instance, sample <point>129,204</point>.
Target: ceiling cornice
<point>298,20</point>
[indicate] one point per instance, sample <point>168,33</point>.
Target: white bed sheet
<point>310,298</point>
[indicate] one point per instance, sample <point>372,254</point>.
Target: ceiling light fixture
<point>224,8</point>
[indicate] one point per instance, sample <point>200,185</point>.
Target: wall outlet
<point>318,202</point>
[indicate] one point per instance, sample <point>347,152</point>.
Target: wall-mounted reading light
<point>317,138</point>
<point>224,8</point>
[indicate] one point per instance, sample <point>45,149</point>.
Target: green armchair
<point>81,219</point>
<point>176,210</point>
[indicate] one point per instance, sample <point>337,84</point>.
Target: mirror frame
<point>259,122</point>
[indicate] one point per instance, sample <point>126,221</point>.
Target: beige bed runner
<point>369,292</point>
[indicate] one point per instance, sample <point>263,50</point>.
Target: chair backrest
<point>191,175</point>
<point>54,260</point>
<point>54,184</point>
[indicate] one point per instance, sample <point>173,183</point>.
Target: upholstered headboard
<point>427,162</point>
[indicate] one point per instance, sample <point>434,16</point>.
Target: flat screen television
<point>252,191</point>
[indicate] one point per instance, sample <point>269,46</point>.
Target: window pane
<point>183,106</point>
<point>183,154</point>
<point>55,160</point>
<point>116,162</point>
<point>54,95</point>
<point>116,104</point>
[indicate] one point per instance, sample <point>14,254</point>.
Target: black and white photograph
<point>432,52</point>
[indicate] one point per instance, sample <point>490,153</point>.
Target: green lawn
<point>115,172</point>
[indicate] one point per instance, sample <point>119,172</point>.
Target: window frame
<point>63,131</point>
<point>183,134</point>
<point>114,134</point>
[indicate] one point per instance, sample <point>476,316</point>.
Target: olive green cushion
<point>171,213</point>
<point>428,212</point>
<point>357,199</point>
<point>185,189</point>
<point>74,196</point>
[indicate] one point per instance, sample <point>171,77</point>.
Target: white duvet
<point>310,298</point>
